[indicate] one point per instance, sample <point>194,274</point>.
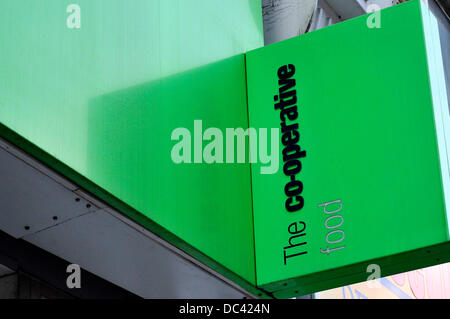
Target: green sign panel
<point>364,138</point>
<point>144,111</point>
<point>99,103</point>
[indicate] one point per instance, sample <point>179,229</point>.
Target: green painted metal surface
<point>368,105</point>
<point>103,100</point>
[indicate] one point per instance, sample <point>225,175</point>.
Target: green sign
<point>144,110</point>
<point>364,175</point>
<point>99,103</point>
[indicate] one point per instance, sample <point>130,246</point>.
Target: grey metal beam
<point>101,240</point>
